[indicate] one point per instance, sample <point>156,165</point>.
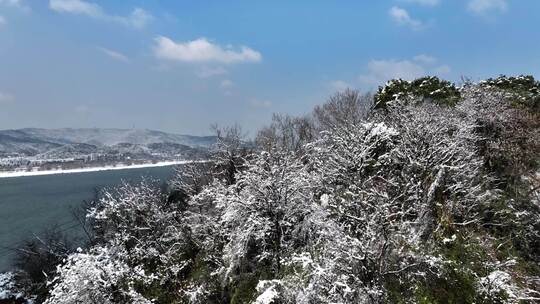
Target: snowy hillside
<point>105,137</point>
<point>25,149</point>
<point>29,142</point>
<point>110,137</point>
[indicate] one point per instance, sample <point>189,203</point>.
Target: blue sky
<point>180,66</point>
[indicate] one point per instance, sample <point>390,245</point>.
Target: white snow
<point>270,294</point>
<point>94,169</point>
<point>498,281</point>
<point>449,240</point>
<point>7,286</point>
<point>324,200</point>
<point>380,129</point>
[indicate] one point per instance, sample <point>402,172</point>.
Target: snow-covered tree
<point>99,276</point>
<point>404,205</point>
<point>430,89</point>
<point>264,212</point>
<point>286,133</point>
<point>347,107</point>
<point>230,152</point>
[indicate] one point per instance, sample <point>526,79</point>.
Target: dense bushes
<point>523,90</point>
<point>425,89</point>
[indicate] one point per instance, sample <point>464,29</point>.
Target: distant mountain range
<point>64,142</point>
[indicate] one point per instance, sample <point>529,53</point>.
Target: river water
<point>28,205</point>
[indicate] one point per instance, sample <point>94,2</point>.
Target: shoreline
<point>9,174</point>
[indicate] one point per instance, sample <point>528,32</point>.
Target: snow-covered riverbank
<point>93,169</point>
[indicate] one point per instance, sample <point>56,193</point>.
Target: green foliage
<point>524,90</point>
<point>429,88</point>
<point>455,285</point>
<point>456,281</point>
<point>395,89</point>
<point>244,291</point>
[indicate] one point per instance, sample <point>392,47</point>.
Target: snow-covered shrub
<point>286,133</point>
<point>229,153</point>
<point>403,205</point>
<point>189,180</point>
<point>8,289</point>
<point>429,88</point>
<point>347,107</point>
<point>522,90</point>
<point>99,276</point>
<point>156,235</point>
<point>401,181</point>
<point>264,214</point>
<point>510,136</point>
<point>509,145</point>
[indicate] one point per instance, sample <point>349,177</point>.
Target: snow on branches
<point>99,276</point>
<point>399,205</point>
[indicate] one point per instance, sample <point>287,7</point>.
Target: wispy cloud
<point>425,59</point>
<point>339,85</point>
<point>402,17</point>
<point>114,54</point>
<point>76,7</point>
<point>202,50</point>
<point>258,103</point>
<point>483,7</point>
<point>6,98</point>
<point>207,72</point>
<point>138,18</point>
<point>380,71</point>
<point>17,3</point>
<point>423,2</point>
<point>443,69</point>
<point>2,21</point>
<point>226,84</point>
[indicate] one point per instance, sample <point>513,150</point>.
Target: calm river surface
<point>28,205</point>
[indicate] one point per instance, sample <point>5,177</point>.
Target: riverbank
<point>92,169</point>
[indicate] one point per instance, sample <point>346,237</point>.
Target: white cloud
<point>207,72</point>
<point>339,85</point>
<point>114,54</point>
<point>424,2</point>
<point>6,98</point>
<point>403,18</point>
<point>257,103</point>
<point>226,83</point>
<point>138,18</point>
<point>76,7</point>
<point>443,70</point>
<point>380,71</point>
<point>202,50</point>
<point>482,7</point>
<point>425,59</point>
<point>17,3</point>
